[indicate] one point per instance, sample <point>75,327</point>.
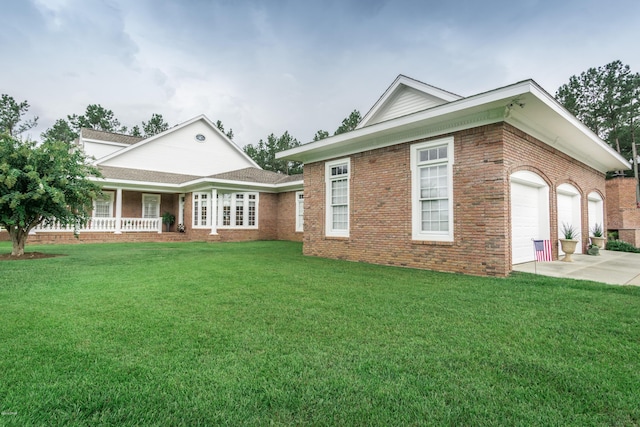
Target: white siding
<point>98,150</point>
<point>180,152</point>
<point>405,101</point>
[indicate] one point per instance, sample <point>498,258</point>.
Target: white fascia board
<point>138,185</point>
<point>100,141</point>
<point>348,142</point>
<point>200,183</point>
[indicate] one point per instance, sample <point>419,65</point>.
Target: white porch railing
<point>113,225</point>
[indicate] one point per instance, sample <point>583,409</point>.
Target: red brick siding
<point>286,210</point>
<point>380,202</point>
<point>622,213</point>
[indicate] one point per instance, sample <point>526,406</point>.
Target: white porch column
<point>214,212</point>
<point>118,211</point>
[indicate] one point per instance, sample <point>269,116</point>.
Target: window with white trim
<point>432,190</point>
<point>103,205</point>
<point>299,210</point>
<point>237,210</point>
<point>337,201</point>
<point>150,205</point>
<point>201,210</point>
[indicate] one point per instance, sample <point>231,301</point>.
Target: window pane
<point>150,207</point>
<point>103,209</point>
<point>339,192</point>
<point>435,215</point>
<point>431,154</point>
<point>252,211</point>
<point>239,210</point>
<point>340,217</point>
<point>339,170</point>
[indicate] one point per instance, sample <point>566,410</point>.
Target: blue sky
<point>271,66</point>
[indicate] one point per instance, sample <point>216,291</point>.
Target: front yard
<point>256,334</point>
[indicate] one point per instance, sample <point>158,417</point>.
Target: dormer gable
<point>195,147</point>
<point>403,97</point>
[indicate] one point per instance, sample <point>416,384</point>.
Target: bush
<point>619,245</point>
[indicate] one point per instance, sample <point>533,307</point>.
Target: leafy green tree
<point>321,134</point>
<point>349,123</point>
<point>606,100</point>
<point>43,183</point>
<point>98,118</point>
<point>135,131</point>
<point>154,126</point>
<point>11,113</point>
<point>220,127</point>
<point>264,154</point>
<point>60,131</point>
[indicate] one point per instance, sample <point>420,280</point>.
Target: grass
<point>256,334</point>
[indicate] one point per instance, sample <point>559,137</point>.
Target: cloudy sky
<point>268,66</point>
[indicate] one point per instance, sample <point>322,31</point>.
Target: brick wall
<point>380,202</point>
<point>623,214</point>
<point>286,222</point>
<point>523,152</point>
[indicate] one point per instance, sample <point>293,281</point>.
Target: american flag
<point>543,250</point>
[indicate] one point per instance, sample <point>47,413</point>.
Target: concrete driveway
<point>612,267</point>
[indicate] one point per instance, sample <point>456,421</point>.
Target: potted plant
<point>569,242</point>
<point>593,250</point>
<point>597,238</point>
<point>168,219</point>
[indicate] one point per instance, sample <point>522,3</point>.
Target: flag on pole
<point>543,250</point>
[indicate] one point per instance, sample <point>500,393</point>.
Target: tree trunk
<point>18,239</point>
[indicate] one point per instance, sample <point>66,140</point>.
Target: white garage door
<point>529,214</point>
<point>569,212</point>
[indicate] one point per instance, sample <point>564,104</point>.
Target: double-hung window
<point>299,210</point>
<point>238,210</point>
<point>337,203</point>
<point>432,190</point>
<point>103,205</point>
<point>201,210</point>
<point>150,205</point>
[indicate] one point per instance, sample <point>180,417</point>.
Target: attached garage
<point>529,214</point>
<point>569,212</point>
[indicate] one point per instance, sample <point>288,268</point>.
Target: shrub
<point>619,245</point>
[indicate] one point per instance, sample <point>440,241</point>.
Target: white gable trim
<point>396,86</point>
<point>201,117</point>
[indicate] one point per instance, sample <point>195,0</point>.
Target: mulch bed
<point>27,255</point>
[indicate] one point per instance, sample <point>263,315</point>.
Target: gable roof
<point>177,151</point>
<point>405,96</point>
<point>176,128</point>
<point>141,175</point>
<point>257,175</point>
<point>100,135</point>
<point>245,179</point>
<point>524,105</point>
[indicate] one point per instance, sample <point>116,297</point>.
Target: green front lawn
<point>256,334</point>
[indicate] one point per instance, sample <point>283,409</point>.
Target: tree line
<point>97,117</point>
<point>49,181</point>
